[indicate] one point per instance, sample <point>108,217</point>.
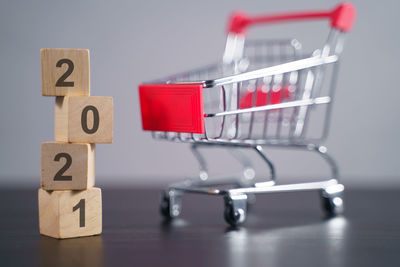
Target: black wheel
<point>165,206</point>
<point>234,217</point>
<point>332,204</point>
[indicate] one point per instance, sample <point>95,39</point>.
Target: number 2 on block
<point>59,175</point>
<point>81,207</point>
<point>61,81</point>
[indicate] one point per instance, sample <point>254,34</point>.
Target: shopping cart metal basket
<point>262,94</point>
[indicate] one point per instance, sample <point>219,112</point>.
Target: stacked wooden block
<point>69,205</point>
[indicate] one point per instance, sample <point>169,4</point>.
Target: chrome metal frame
<point>309,80</point>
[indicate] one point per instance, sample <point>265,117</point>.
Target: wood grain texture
<point>285,229</point>
<point>69,112</point>
<point>81,170</point>
<point>58,219</point>
<point>80,75</point>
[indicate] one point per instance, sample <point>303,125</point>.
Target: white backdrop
<point>131,42</point>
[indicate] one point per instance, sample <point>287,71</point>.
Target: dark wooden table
<point>281,230</point>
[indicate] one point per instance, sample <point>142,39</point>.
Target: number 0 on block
<point>65,72</point>
<point>87,119</point>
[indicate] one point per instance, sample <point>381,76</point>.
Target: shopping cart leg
<point>332,196</point>
<point>272,180</point>
<point>323,152</point>
<point>248,170</point>
<point>248,173</point>
<point>203,174</point>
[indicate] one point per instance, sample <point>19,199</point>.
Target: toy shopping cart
<point>263,93</point>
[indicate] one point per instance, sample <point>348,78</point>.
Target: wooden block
<point>84,119</point>
<point>65,72</point>
<point>65,214</point>
<point>67,166</point>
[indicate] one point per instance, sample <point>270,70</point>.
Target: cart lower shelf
<point>237,196</point>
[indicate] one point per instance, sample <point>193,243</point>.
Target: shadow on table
<point>274,241</point>
<point>83,251</point>
<point>281,245</point>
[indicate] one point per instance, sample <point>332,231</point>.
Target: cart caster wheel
<point>170,206</point>
<point>234,218</point>
<point>332,200</point>
<point>235,209</point>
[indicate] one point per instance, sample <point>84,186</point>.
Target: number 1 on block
<point>67,213</point>
<point>81,207</point>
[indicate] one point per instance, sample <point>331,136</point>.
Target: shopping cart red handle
<point>342,18</point>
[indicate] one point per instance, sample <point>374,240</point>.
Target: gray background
<point>131,42</point>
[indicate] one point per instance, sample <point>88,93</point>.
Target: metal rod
<point>259,150</point>
<point>278,69</point>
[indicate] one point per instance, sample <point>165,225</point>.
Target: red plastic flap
<point>172,107</point>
